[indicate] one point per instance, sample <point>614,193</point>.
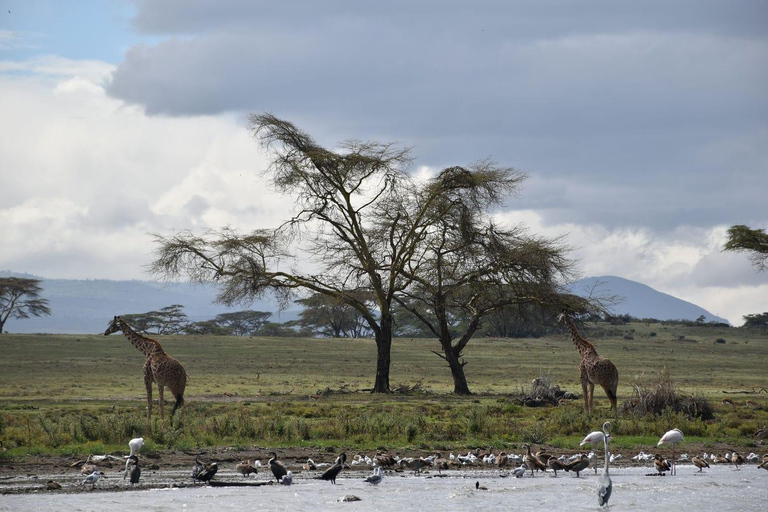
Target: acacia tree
<point>20,298</point>
<point>753,241</point>
<point>328,316</point>
<point>242,323</point>
<point>167,320</point>
<point>470,267</point>
<point>341,198</point>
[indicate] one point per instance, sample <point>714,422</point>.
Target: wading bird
<point>700,463</point>
<point>135,469</point>
<point>672,437</point>
<point>604,484</point>
<point>737,459</point>
<point>92,478</point>
<point>207,474</point>
<point>332,472</point>
<point>375,478</point>
<point>245,468</point>
<point>532,462</point>
<point>594,438</point>
<point>578,465</point>
<point>661,465</point>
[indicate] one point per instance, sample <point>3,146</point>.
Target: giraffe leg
<point>591,396</point>
<point>160,400</point>
<point>148,384</point>
<point>611,393</point>
<point>586,395</point>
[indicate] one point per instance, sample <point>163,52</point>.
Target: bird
<point>331,473</point>
<point>415,464</point>
<point>92,478</point>
<point>245,468</point>
<point>722,460</point>
<point>376,477</point>
<point>480,487</point>
<point>519,472</point>
<point>385,459</point>
<point>578,465</point>
<point>672,437</point>
<point>532,462</point>
<point>543,456</point>
<point>207,474</point>
<point>555,464</point>
<point>761,433</point>
<point>604,484</point>
<point>502,460</point>
<point>135,445</point>
<point>135,470</point>
<point>737,459</point>
<point>593,438</point>
<point>52,486</point>
<point>764,465</point>
<point>88,468</point>
<point>309,465</point>
<point>700,463</point>
<point>661,465</point>
<point>287,478</point>
<point>197,469</point>
<point>277,467</point>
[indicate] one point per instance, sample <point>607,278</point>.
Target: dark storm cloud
<point>623,101</point>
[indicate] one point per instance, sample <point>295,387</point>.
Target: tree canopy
<point>20,298</point>
<point>752,241</point>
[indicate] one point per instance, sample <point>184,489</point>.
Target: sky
<point>643,126</point>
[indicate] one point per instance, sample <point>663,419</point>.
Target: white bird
<point>519,472</point>
<point>515,459</point>
<point>672,437</point>
<point>604,484</point>
<point>753,457</point>
<point>287,478</point>
<point>92,478</point>
<point>135,445</point>
<point>593,438</point>
<point>376,477</point>
<point>616,457</point>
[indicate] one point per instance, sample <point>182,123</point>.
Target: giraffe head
<point>115,325</point>
<point>562,317</point>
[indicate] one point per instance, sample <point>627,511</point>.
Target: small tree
<point>331,317</point>
<point>753,241</point>
<point>20,298</point>
<point>756,320</point>
<point>168,320</point>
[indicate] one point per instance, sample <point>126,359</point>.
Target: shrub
<point>661,396</point>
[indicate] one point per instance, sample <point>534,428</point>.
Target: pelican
<point>245,468</point>
<point>375,478</point>
<point>700,463</point>
<point>332,472</point>
<point>277,467</point>
<point>287,479</point>
<point>578,465</point>
<point>604,484</point>
<point>92,478</point>
<point>672,437</point>
<point>593,438</point>
<point>135,470</point>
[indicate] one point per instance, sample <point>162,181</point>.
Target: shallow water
<point>717,489</point>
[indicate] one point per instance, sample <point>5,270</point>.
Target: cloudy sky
<point>643,125</point>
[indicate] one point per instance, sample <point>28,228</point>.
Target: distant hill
<point>642,301</point>
<point>86,306</point>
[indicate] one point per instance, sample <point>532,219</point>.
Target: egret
<point>672,437</point>
<point>604,484</point>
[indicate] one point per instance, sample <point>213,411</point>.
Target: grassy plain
<point>82,394</point>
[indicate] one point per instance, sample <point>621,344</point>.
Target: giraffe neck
<point>146,345</point>
<point>584,347</point>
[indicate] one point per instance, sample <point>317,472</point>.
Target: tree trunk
<point>383,355</point>
<point>460,386</point>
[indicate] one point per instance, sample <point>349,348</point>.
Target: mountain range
<point>86,306</point>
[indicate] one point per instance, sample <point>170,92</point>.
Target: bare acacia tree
<point>20,298</point>
<point>468,267</point>
<point>342,198</point>
<point>753,241</point>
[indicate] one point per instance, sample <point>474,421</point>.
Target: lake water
<point>717,489</point>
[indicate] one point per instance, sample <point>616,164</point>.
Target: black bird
<point>277,467</point>
<point>207,474</point>
<point>332,472</point>
<point>197,469</point>
<point>135,470</point>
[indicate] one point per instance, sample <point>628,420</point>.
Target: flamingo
<point>604,484</point>
<point>596,437</point>
<point>672,437</point>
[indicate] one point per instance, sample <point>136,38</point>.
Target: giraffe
<point>593,369</point>
<point>159,367</point>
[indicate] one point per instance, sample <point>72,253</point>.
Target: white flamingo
<point>596,437</point>
<point>672,437</point>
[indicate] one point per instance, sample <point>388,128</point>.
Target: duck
<point>385,459</point>
<point>737,459</point>
<point>578,465</point>
<point>440,463</point>
<point>502,460</point>
<point>533,462</point>
<point>415,464</point>
<point>277,467</point>
<point>554,464</point>
<point>245,468</point>
<point>661,465</point>
<point>52,486</point>
<point>331,473</point>
<point>543,456</point>
<point>719,459</point>
<point>700,463</point>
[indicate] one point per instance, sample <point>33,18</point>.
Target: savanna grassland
<point>64,394</point>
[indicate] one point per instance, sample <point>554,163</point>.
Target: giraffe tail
<point>179,403</point>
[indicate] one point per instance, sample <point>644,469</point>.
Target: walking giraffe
<point>593,369</point>
<point>159,367</point>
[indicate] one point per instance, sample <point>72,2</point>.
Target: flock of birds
<point>529,461</point>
